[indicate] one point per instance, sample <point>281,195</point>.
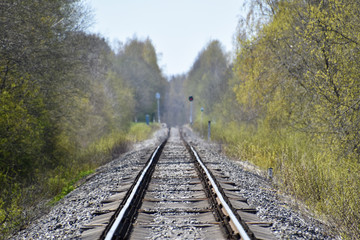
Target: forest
<point>288,98</point>
<point>67,102</point>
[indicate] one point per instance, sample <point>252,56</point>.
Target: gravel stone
<point>65,219</point>
<point>76,209</point>
<point>288,221</point>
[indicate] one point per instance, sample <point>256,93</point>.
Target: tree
<point>137,64</point>
<point>175,113</point>
<point>297,72</point>
<point>207,79</point>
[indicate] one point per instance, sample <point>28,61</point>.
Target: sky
<point>178,29</point>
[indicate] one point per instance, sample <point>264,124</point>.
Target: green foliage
<point>297,87</point>
<point>207,79</point>
<point>302,167</point>
<point>65,185</point>
<point>292,102</point>
<point>10,205</point>
<point>66,101</point>
<point>67,189</point>
<point>99,152</point>
<point>136,62</point>
<point>141,131</point>
<point>22,127</point>
<point>298,71</point>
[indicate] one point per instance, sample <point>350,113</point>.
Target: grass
<point>141,131</point>
<point>16,202</point>
<point>312,172</point>
<point>69,184</point>
<point>107,148</point>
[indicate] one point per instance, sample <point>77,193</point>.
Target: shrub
<point>312,172</point>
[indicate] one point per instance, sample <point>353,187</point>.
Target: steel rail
<point>121,214</point>
<point>232,216</point>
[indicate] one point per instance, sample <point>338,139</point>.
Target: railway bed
<point>176,196</point>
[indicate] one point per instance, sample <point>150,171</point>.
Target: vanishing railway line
<point>176,195</point>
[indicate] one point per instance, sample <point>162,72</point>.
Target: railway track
<point>175,195</point>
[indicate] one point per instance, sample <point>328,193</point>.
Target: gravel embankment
<point>288,223</point>
<point>75,210</point>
